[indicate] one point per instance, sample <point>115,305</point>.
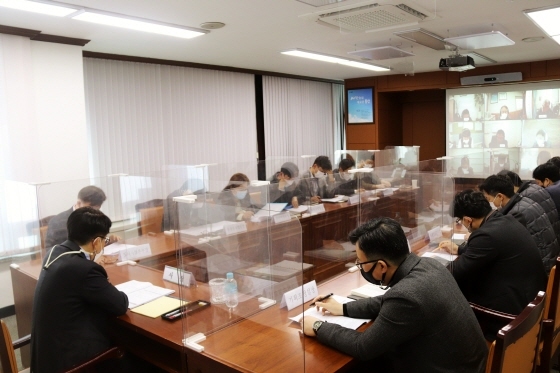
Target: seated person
<point>73,298</point>
<point>91,196</point>
<point>465,139</point>
<point>371,181</point>
<point>316,183</point>
<point>465,168</point>
<point>504,113</point>
<point>187,212</point>
<point>466,116</point>
<point>283,190</point>
<point>236,195</point>
<point>545,111</point>
<point>499,191</point>
<point>547,175</point>
<point>346,182</point>
<point>499,266</point>
<point>423,323</point>
<point>502,163</point>
<point>541,140</point>
<point>499,140</point>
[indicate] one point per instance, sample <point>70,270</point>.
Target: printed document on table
<point>140,293</point>
<point>347,322</point>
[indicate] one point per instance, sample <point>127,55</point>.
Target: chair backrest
<point>151,220</point>
<point>517,343</point>
<point>552,308</point>
<point>7,354</point>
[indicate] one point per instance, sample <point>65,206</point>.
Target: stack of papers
<point>347,322</point>
<point>442,257</point>
<point>368,291</point>
<point>268,210</point>
<point>338,198</point>
<point>140,293</point>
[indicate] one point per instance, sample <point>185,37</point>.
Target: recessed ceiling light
<point>51,9</point>
<point>533,39</point>
<point>138,24</point>
<point>333,59</point>
<point>424,38</point>
<point>546,19</point>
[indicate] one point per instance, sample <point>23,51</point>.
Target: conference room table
<point>247,340</point>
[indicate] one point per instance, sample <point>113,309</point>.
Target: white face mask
<point>540,143</point>
<point>466,119</point>
<point>289,182</point>
<point>320,175</point>
<point>503,116</point>
<point>347,176</point>
<point>241,194</point>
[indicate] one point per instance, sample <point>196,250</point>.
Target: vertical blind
<point>145,117</point>
<point>298,119</point>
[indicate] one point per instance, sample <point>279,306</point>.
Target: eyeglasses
<point>359,265</point>
<point>106,240</point>
<point>458,221</point>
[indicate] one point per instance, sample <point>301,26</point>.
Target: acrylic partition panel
<point>260,246</point>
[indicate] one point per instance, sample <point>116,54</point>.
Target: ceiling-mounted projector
<point>456,63</point>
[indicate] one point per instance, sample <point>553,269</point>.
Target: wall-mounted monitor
<point>360,106</point>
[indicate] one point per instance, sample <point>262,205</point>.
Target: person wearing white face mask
<point>317,183</point>
<point>465,168</point>
<point>347,183</point>
<point>236,195</point>
<point>499,191</point>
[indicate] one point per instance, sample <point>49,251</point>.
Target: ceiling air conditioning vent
<point>373,17</point>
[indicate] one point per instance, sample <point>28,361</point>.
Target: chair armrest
<point>21,342</point>
<point>112,353</point>
<point>491,314</point>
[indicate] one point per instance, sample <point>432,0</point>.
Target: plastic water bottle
<point>231,291</point>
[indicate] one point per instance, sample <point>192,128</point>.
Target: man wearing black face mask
<point>423,323</point>
<point>500,266</point>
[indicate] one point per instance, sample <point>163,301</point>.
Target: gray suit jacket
<point>57,232</point>
<point>424,321</point>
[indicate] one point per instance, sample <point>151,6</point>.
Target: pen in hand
<point>322,299</point>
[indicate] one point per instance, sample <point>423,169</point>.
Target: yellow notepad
<point>158,307</point>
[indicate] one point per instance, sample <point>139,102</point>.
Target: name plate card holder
<point>235,228</point>
<point>135,252</point>
<point>316,209</point>
<point>178,276</point>
<point>300,295</point>
<point>434,234</point>
<point>282,217</point>
<point>352,200</point>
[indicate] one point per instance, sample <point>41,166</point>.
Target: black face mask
<point>368,276</point>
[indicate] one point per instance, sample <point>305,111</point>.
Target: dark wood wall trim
<point>36,35</point>
<point>157,61</point>
<point>60,39</point>
<point>9,30</point>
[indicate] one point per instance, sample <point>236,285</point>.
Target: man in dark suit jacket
<point>74,299</point>
<point>547,175</point>
<point>88,196</point>
<point>499,267</point>
<point>423,323</point>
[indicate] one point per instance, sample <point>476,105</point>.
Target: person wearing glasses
<point>91,196</point>
<point>499,267</point>
<point>73,298</point>
<point>316,183</point>
<point>423,323</point>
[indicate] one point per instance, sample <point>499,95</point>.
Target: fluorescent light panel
<point>332,59</point>
<point>490,39</point>
<point>547,20</point>
<point>50,9</point>
<point>138,24</point>
<point>423,37</point>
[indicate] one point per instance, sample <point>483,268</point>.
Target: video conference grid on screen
<point>513,127</point>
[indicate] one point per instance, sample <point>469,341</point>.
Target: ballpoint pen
<point>322,299</point>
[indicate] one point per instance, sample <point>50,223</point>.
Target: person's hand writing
<point>329,305</point>
<point>316,199</point>
<point>448,246</point>
<point>247,215</point>
<point>295,203</point>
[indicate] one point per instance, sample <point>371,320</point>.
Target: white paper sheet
<point>139,293</point>
<point>347,322</point>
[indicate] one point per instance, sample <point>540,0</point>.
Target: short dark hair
<point>92,195</point>
<point>547,170</point>
<point>86,223</point>
<point>470,203</point>
<point>345,164</point>
<point>381,238</point>
<point>495,184</point>
<point>324,162</point>
<point>555,161</point>
<point>515,179</point>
